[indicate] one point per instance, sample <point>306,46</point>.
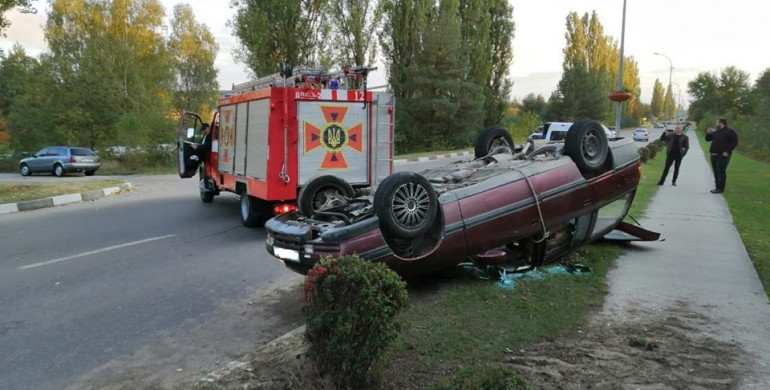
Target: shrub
<point>350,308</point>
<point>653,149</point>
<point>494,377</point>
<point>644,154</point>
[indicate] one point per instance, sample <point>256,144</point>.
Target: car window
<point>60,152</point>
<point>42,152</point>
<point>81,152</point>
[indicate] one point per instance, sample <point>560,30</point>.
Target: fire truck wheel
<point>252,211</point>
<point>587,145</point>
<point>490,138</point>
<point>207,196</point>
<point>406,205</point>
<point>321,192</point>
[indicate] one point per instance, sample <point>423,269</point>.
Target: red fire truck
<point>282,143</point>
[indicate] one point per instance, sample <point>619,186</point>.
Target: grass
<point>12,193</point>
<point>749,202</point>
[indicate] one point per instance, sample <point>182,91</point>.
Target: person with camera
<point>723,140</point>
<point>677,145</point>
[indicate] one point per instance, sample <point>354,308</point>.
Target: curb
<point>433,157</point>
<point>60,200</point>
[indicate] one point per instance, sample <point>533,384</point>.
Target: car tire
<point>90,173</point>
<point>587,145</point>
<point>490,138</point>
<point>406,205</point>
<point>24,170</point>
<point>318,193</point>
<point>252,210</point>
<point>58,170</point>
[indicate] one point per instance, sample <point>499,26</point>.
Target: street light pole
<point>670,72</point>
<point>619,108</point>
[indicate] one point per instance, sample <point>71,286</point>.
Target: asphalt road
<point>150,284</point>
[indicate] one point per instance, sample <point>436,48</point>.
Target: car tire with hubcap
<point>489,139</point>
<point>587,145</point>
<point>58,170</point>
<point>321,192</point>
<point>406,205</point>
<point>24,170</point>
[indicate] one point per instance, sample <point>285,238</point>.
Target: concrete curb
<point>60,200</point>
<point>433,157</point>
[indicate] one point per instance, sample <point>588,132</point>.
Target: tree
<point>274,33</point>
<point>728,92</point>
<point>669,103</point>
<point>354,25</point>
<point>498,85</point>
<point>194,50</point>
<point>444,107</point>
<point>535,104</point>
<point>581,94</point>
<point>25,7</point>
<point>657,103</point>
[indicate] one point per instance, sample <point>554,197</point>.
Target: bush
<point>350,308</point>
<point>653,150</point>
<point>494,377</point>
<point>644,154</point>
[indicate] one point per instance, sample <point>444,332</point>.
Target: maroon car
<point>537,205</point>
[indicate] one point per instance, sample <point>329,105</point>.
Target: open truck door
<point>187,135</point>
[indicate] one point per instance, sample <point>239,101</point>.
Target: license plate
<point>286,254</point>
<point>86,160</point>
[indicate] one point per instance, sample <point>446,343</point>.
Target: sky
<point>692,36</point>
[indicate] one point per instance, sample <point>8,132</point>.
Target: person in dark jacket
<point>677,145</point>
<point>723,140</point>
<point>204,147</point>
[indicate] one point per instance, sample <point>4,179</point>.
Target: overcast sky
<point>697,36</point>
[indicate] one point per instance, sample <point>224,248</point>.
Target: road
<point>150,284</point>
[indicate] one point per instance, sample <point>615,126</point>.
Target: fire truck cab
<point>282,144</point>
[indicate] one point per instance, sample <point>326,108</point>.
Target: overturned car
<point>537,204</point>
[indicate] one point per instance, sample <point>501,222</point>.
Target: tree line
<point>114,75</point>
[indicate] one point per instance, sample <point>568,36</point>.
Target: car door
<point>187,161</point>
<point>38,163</point>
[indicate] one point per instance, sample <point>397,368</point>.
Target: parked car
<point>535,135</point>
<point>641,135</point>
<point>537,204</point>
<point>659,125</point>
<point>61,160</point>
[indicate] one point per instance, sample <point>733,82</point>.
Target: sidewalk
<point>702,264</point>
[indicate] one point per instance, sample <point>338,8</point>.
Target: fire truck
<point>284,143</point>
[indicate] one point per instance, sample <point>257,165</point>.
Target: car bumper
<point>81,167</point>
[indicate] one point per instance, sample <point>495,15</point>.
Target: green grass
<point>12,193</point>
<point>749,202</point>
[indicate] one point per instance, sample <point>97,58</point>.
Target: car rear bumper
<point>81,167</point>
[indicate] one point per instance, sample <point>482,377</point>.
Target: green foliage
<point>487,377</point>
<point>657,103</point>
<point>582,93</point>
<point>653,148</point>
<point>644,154</point>
<point>277,32</point>
<point>522,125</point>
<point>350,311</point>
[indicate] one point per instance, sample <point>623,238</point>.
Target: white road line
<point>109,248</point>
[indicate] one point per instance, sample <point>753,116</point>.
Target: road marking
<point>109,248</point>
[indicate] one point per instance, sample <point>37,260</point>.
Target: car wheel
<point>406,205</point>
<point>587,145</point>
<point>252,210</point>
<point>207,196</point>
<point>490,138</point>
<point>322,192</point>
<point>58,170</point>
<point>24,170</point>
<point>90,173</point>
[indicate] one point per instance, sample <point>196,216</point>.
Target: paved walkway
<point>702,263</point>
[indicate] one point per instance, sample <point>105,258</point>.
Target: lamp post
<point>670,69</point>
<point>619,104</point>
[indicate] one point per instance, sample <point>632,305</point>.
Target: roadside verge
<point>61,200</point>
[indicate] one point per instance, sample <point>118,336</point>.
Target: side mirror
<point>190,132</point>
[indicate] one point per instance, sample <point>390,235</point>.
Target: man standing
<point>723,140</point>
<point>677,146</point>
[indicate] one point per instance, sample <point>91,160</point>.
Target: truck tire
<point>252,210</point>
<point>406,205</point>
<point>321,192</point>
<point>587,145</point>
<point>490,138</point>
